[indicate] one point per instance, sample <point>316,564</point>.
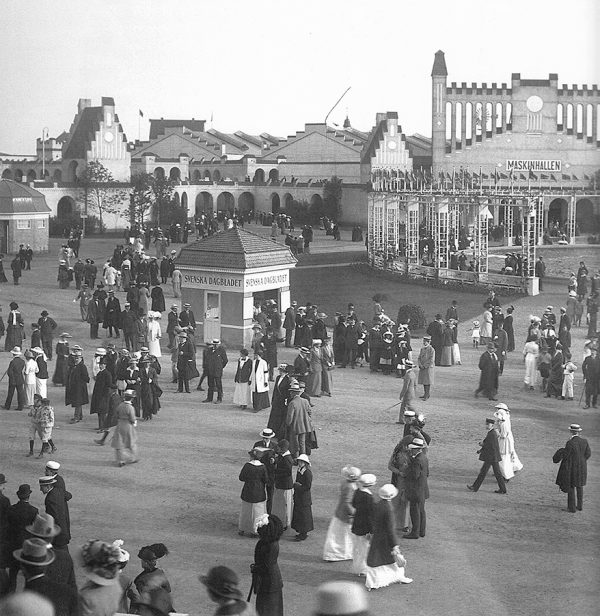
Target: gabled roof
<point>16,198</point>
<point>169,146</point>
<point>83,133</point>
<point>158,127</point>
<point>235,249</point>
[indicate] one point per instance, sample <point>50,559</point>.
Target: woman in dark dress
<point>302,520</point>
<point>151,577</point>
<point>266,577</point>
<point>509,328</point>
<point>62,365</point>
<point>254,496</point>
<point>555,379</point>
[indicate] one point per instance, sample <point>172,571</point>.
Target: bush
<point>413,315</point>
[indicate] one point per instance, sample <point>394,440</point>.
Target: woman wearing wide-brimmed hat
<point>302,518</point>
<point>101,592</point>
<point>338,542</point>
<point>266,576</point>
<point>222,587</point>
<point>385,564</point>
<point>254,496</point>
<point>152,577</point>
<point>124,440</point>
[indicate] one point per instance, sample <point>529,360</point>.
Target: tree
<point>332,198</point>
<point>162,190</point>
<point>100,191</point>
<point>142,198</point>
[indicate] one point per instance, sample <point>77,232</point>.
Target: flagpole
<point>139,126</point>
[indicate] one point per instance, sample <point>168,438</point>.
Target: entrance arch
<point>175,174</point>
<point>57,176</point>
<point>557,212</point>
<point>203,203</point>
<point>274,175</point>
<point>216,175</point>
<point>184,203</point>
<point>246,203</point>
<point>586,221</point>
<point>197,175</point>
<point>226,203</point>
<point>287,202</point>
<point>72,171</point>
<point>7,174</point>
<point>275,203</point>
<point>259,176</point>
<point>159,173</point>
<point>31,175</point>
<point>65,208</point>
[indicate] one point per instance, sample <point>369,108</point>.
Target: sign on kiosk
<point>236,282</point>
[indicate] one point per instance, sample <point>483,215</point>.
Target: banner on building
<point>533,165</point>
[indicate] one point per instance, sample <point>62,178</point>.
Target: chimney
<point>83,104</point>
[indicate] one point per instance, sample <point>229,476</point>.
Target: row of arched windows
<point>470,121</point>
<point>579,119</point>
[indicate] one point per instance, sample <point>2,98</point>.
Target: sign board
<point>240,283</point>
<point>533,165</point>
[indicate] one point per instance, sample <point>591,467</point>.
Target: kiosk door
<point>212,316</point>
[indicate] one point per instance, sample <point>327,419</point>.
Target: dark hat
<point>35,552</point>
<point>44,313</point>
<point>490,421</point>
<point>24,490</point>
<point>223,582</point>
<point>13,305</point>
<point>153,552</point>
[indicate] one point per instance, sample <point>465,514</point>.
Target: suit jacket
<point>128,321</point>
<point>47,327</point>
<point>216,360</point>
<point>577,452</point>
<point>187,319</point>
<point>416,486</point>
<point>63,598</point>
<point>57,507</point>
<point>19,516</point>
<point>172,322</point>
<point>490,450</point>
<point>15,371</point>
<point>364,506</point>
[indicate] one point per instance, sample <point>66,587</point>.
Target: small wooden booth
<point>225,274</point>
<point>24,216</point>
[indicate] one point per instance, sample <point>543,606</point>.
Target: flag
<point>141,113</point>
<point>553,177</point>
<point>522,177</point>
<point>504,176</point>
<point>532,175</point>
<point>566,177</point>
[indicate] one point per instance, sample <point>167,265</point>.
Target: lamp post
<point>45,133</point>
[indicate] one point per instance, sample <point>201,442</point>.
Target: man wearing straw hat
<point>572,473</point>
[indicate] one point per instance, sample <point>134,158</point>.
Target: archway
<point>207,175</point>
<point>287,202</point>
<point>57,175</point>
<point>274,175</point>
<point>46,174</point>
<point>586,221</point>
<point>31,175</point>
<point>176,200</point>
<point>316,206</point>
<point>557,212</point>
<point>197,175</point>
<point>204,203</point>
<point>175,174</point>
<point>216,175</point>
<point>7,174</point>
<point>65,208</point>
<point>226,203</point>
<point>184,203</point>
<point>259,176</point>
<point>275,203</point>
<point>159,173</point>
<point>246,203</point>
<point>72,171</point>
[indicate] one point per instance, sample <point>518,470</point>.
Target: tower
<point>439,78</point>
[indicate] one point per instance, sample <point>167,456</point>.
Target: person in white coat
<point>259,383</point>
<point>531,352</point>
<point>154,334</point>
<point>509,463</point>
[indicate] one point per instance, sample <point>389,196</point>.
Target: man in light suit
<point>426,363</point>
<point>489,454</point>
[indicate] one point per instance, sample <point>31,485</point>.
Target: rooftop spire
<point>439,65</point>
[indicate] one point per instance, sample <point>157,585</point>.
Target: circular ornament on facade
<point>534,103</point>
<point>391,145</point>
<point>108,137</point>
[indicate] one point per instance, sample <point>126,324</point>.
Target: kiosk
<point>225,274</point>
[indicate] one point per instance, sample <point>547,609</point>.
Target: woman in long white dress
<point>485,333</point>
<point>531,352</point>
<point>154,333</point>
<point>29,372</point>
<point>509,463</point>
<point>338,542</point>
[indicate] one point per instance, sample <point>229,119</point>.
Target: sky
<point>273,65</point>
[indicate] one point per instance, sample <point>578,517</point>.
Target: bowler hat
<point>35,552</point>
<point>24,490</point>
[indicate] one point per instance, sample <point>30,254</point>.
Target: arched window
<point>579,119</point>
<point>560,116</point>
<point>589,121</point>
<point>570,117</point>
<point>508,116</point>
<point>449,111</point>
<point>458,110</point>
<point>479,119</point>
<point>469,121</point>
<point>489,117</point>
<point>499,118</point>
<point>216,175</point>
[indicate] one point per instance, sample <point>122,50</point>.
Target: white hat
<point>304,458</point>
<point>501,405</point>
<point>100,351</point>
<point>52,465</point>
<point>367,480</point>
<point>123,554</point>
<point>16,351</point>
<point>351,473</point>
<point>317,341</point>
<point>341,598</point>
<point>387,491</point>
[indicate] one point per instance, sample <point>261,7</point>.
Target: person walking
<point>509,463</point>
<point>362,524</point>
<point>417,489</point>
<point>266,576</point>
<point>338,541</point>
<point>408,395</point>
<point>572,473</point>
<point>101,394</point>
<point>489,371</point>
<point>76,390</point>
<point>531,353</point>
<point>426,363</point>
<point>29,372</point>
<point>385,563</point>
<point>124,440</point>
<point>16,380</point>
<point>489,454</point>
<point>302,519</point>
<point>254,497</point>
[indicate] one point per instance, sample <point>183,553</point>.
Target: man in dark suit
<point>490,369</point>
<point>16,381</point>
<point>185,358</point>
<point>112,315</point>
<point>94,316</point>
<point>128,319</point>
<point>417,490</point>
<point>34,558</point>
<point>573,468</point>
<point>216,360</point>
<point>172,323</point>
<point>47,327</point>
<point>591,378</point>
<point>436,330</point>
<point>57,507</point>
<point>489,454</point>
<point>20,515</point>
<point>187,318</point>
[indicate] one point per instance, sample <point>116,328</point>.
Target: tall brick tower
<point>439,78</point>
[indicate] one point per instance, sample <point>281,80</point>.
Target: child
<point>475,334</point>
<point>568,379</point>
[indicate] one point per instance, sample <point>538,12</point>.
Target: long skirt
<point>338,542</point>
<point>446,359</point>
<point>260,400</point>
<point>270,603</point>
<point>29,393</point>
<point>249,514</point>
<point>241,394</point>
<point>360,551</point>
<point>326,381</point>
<point>530,370</point>
<point>456,353</point>
<point>313,383</point>
<point>302,520</point>
<point>282,506</point>
<point>41,387</point>
<point>385,575</point>
<point>60,371</point>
